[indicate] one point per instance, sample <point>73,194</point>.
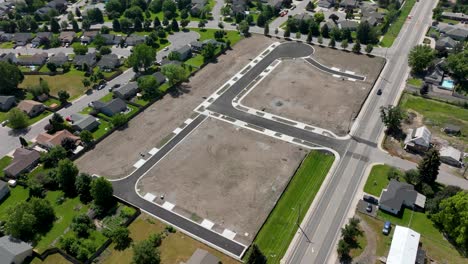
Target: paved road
<point>331,71</point>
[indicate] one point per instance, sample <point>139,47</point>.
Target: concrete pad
<point>149,197</point>
<point>177,130</point>
<point>168,206</point>
<point>139,163</point>
<point>207,224</point>
<point>153,151</point>
<point>228,234</point>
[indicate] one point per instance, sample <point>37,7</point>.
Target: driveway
<point>177,40</point>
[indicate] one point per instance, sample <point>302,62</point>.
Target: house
<point>238,7</point>
<point>348,24</point>
<point>370,14</point>
<point>4,190</point>
<point>134,40</point>
<point>303,16</point>
<point>455,16</point>
<point>185,52</point>
<point>59,59</point>
<point>24,160</point>
<point>111,39</point>
<point>84,122</point>
<point>451,156</point>
<point>276,4</point>
<point>7,102</point>
<point>41,38</point>
<point>160,78</point>
<point>67,37</point>
<point>399,194</point>
<point>37,59</point>
<point>197,7</point>
<point>326,3</point>
<point>5,37</point>
<point>348,3</point>
<point>196,46</point>
<point>330,24</point>
<point>49,141</point>
<point>445,43</point>
<point>405,247</point>
<point>31,108</point>
<point>418,139</point>
<point>111,108</point>
<point>126,91</point>
<point>88,36</point>
<point>14,251</point>
<point>89,59</point>
<point>435,74</point>
<point>457,32</point>
<point>201,256</point>
<point>452,129</point>
<point>109,62</point>
<point>9,57</point>
<point>21,39</point>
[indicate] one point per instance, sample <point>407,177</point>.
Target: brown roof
<point>27,105</point>
<point>55,139</point>
<point>22,159</point>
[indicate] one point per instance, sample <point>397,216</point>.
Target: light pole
<point>299,226</point>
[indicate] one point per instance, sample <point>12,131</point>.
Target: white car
<point>166,49</point>
<point>4,123</point>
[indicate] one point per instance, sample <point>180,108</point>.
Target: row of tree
<point>348,241</point>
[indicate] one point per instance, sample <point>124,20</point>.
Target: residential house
<point>126,91</point>
<point>197,7</point>
<point>455,16</point>
<point>370,14</point>
<point>89,59</point>
<point>238,7</point>
<point>303,16</point>
<point>31,108</point>
<point>185,52</point>
<point>109,62</point>
<point>22,38</point>
<point>24,160</point>
<point>110,108</point>
<point>349,3</point>
<point>196,46</point>
<point>67,37</point>
<point>6,8</point>
<point>330,24</point>
<point>59,59</point>
<point>5,37</point>
<point>13,250</point>
<point>276,4</point>
<point>405,247</point>
<point>201,256</point>
<point>445,43</point>
<point>134,40</point>
<point>37,59</point>
<point>418,140</point>
<point>49,141</point>
<point>9,57</point>
<point>160,78</point>
<point>398,195</point>
<point>88,36</point>
<point>111,39</point>
<point>452,129</point>
<point>7,102</point>
<point>457,32</point>
<point>348,24</point>
<point>4,190</point>
<point>451,156</point>
<point>326,3</point>
<point>59,5</point>
<point>41,38</point>
<point>84,122</point>
<point>435,74</point>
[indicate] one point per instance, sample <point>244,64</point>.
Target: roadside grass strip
<point>281,226</point>
<point>395,27</point>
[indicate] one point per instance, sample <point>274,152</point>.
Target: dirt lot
<point>114,157</point>
<point>299,91</point>
<point>233,180</point>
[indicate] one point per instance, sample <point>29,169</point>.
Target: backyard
<point>208,33</point>
<point>395,27</point>
<point>17,194</point>
<point>5,161</point>
<point>279,229</point>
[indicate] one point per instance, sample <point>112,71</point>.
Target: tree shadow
<point>178,90</point>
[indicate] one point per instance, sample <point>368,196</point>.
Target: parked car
<point>166,49</point>
<point>371,199</point>
<point>117,85</point>
<point>293,7</point>
<point>369,207</point>
<point>4,123</point>
<point>386,228</point>
<point>100,87</point>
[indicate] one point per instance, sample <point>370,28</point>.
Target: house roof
<point>9,57</point>
<point>201,256</point>
<point>452,127</point>
<point>404,248</point>
<point>67,35</point>
<point>22,159</point>
<point>59,58</point>
<point>458,32</point>
<point>2,184</point>
<point>450,152</point>
<point>348,3</point>
<point>110,38</point>
<point>11,247</point>
<point>134,39</point>
<point>160,78</point>
<point>128,88</point>
<point>85,122</point>
<point>4,99</point>
<point>55,139</point>
<point>36,59</point>
<point>27,105</point>
<point>89,59</point>
<point>348,24</point>
<point>303,16</point>
<point>90,34</point>
<point>109,61</point>
<point>115,106</point>
<point>44,35</point>
<point>420,136</point>
<point>455,15</point>
<point>184,49</point>
<point>398,193</point>
<point>446,42</point>
<point>22,37</point>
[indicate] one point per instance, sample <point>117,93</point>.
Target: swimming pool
<point>448,84</point>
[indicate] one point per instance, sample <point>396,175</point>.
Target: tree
<point>116,25</point>
<point>10,77</point>
<point>102,193</point>
<point>244,27</point>
<point>357,47</point>
<point>202,24</point>
<point>105,50</point>
<point>143,56</point>
<point>369,48</point>
<point>432,205</point>
<point>174,25</point>
<point>149,85</point>
<point>83,186</point>
<point>287,33</point>
<point>23,142</point>
<point>325,31</point>
<point>208,51</point>
<point>54,25</point>
<point>145,253</point>
<point>261,20</point>
<point>86,24</point>
<point>429,167</point>
<point>343,250</point>
<point>67,143</point>
<point>63,96</point>
<point>63,25</point>
<point>344,43</point>
<point>457,63</point>
<point>256,256</point>
<point>453,219</point>
<point>420,58</point>
<point>51,158</point>
<point>80,49</point>
<point>36,189</point>
<point>310,6</point>
<point>184,23</point>
<point>174,73</point>
<point>86,137</point>
<point>332,43</point>
<point>320,40</point>
<point>77,12</point>
<point>66,173</point>
<point>43,212</point>
<point>365,33</point>
<point>81,225</point>
<point>17,119</point>
<point>51,66</point>
<point>391,117</point>
<point>20,221</point>
<point>412,177</point>
<point>266,30</point>
<point>119,120</point>
<point>121,237</point>
<point>309,37</point>
<point>137,26</point>
<point>319,17</point>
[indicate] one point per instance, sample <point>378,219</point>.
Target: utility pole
<point>299,226</point>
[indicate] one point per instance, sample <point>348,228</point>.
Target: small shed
<point>452,129</point>
<point>451,156</point>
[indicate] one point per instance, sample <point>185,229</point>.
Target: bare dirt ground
<point>228,175</point>
<point>297,90</point>
<point>114,157</point>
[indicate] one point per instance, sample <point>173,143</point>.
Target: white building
<point>451,156</point>
<point>418,139</point>
<point>405,246</point>
<point>13,251</point>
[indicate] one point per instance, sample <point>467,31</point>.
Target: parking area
<point>230,176</point>
<point>299,91</point>
<point>115,156</point>
<point>363,206</point>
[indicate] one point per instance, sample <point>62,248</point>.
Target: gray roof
<point>22,159</point>
<point>36,59</point>
<point>460,15</point>
<point>128,88</point>
<point>59,59</point>
<point>2,184</point>
<point>109,61</point>
<point>398,193</point>
<point>183,50</point>
<point>201,256</point>
<point>134,39</point>
<point>348,24</point>
<point>160,78</point>
<point>22,37</point>
<point>11,247</point>
<point>8,57</point>
<point>89,59</point>
<point>84,122</point>
<point>115,106</point>
<point>5,98</point>
<point>446,42</point>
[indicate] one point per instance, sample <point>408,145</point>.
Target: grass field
<point>415,82</point>
<point>196,61</point>
<point>396,26</point>
<point>7,45</point>
<point>5,161</point>
<point>377,180</point>
<point>383,241</point>
<point>208,33</point>
<point>17,194</point>
<point>51,259</point>
<point>280,227</point>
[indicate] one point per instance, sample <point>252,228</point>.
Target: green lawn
<point>5,161</point>
<point>377,180</point>
<point>7,45</point>
<point>107,98</point>
<point>39,117</point>
<point>362,243</point>
<point>141,101</point>
<point>396,26</point>
<point>448,20</point>
<point>102,129</point>
<point>64,213</point>
<point>208,33</point>
<point>415,82</point>
<point>280,227</point>
<point>17,194</point>
<point>196,61</point>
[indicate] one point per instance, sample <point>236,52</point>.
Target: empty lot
<point>114,156</point>
<point>297,90</point>
<point>228,175</point>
